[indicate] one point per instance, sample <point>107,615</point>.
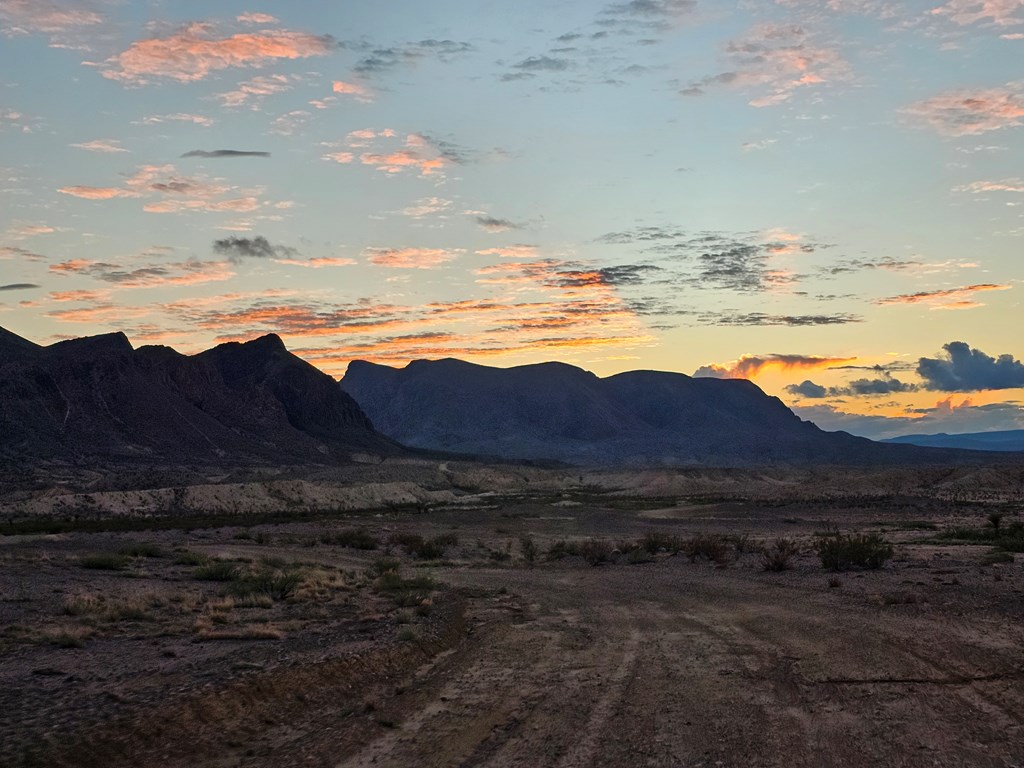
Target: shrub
<point>353,538</point>
<point>558,549</point>
<point>709,546</point>
<point>106,561</point>
<point>638,556</point>
<point>216,571</point>
<point>529,548</point>
<point>274,584</point>
<point>655,541</point>
<point>777,557</point>
<point>595,551</point>
<point>838,552</point>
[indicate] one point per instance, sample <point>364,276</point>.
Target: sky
<point>825,197</point>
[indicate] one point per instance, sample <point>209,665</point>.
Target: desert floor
<point>279,643</point>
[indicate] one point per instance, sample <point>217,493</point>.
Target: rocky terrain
<point>96,399</point>
<point>606,619</point>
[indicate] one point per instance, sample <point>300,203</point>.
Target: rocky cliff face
<point>556,411</point>
<point>99,397</point>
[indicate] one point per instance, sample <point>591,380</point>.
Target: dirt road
<point>675,664</point>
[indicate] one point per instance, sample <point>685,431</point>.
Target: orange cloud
<point>403,159</point>
<point>101,145</point>
<point>255,90</point>
<point>410,258</point>
<point>193,52</point>
<point>749,366</point>
<point>969,113</point>
<point>352,89</point>
<point>949,298</point>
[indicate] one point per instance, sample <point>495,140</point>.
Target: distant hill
<point>1006,440</point>
<point>97,397</point>
<point>559,412</point>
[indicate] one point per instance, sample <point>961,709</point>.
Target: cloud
<point>256,18</point>
<point>652,7</point>
<point>319,262</point>
<point>57,20</point>
<point>193,52</point>
<point>361,93</point>
<point>255,90</point>
<point>857,388</point>
<point>191,272</point>
<point>97,193</point>
<point>181,117</point>
<point>519,251</point>
<point>394,154</point>
<point>18,286</point>
<point>217,153</point>
<point>427,206</point>
<point>7,251</point>
<point>1006,185</point>
<point>238,248</point>
<point>965,369</point>
<point>948,298</point>
<point>101,145</point>
<point>945,416</point>
<point>542,64</point>
<point>760,318</point>
<point>778,60</point>
<point>970,113</point>
<point>410,258</point>
<point>494,225</point>
<point>378,61</point>
<point>808,389</point>
<point>749,366</point>
<point>997,13</point>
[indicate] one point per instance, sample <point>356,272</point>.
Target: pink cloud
<point>96,193</point>
<point>1006,185</point>
<point>999,13</point>
<point>319,262</point>
<point>193,52</point>
<point>107,146</point>
<point>352,89</point>
<point>969,113</point>
<point>511,251</point>
<point>256,18</point>
<point>410,258</point>
<point>255,90</point>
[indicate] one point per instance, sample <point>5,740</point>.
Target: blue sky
<point>823,196</point>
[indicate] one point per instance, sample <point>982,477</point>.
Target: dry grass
<point>243,632</point>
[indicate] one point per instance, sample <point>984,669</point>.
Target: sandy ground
<point>556,663</point>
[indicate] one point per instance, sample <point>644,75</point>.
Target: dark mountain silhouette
<point>559,412</point>
<point>97,397</point>
<point>1004,440</point>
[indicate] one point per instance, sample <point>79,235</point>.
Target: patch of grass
<point>246,632</point>
<point>1006,537</point>
<point>218,570</point>
<point>141,549</point>
<point>188,557</point>
<point>425,549</point>
<point>840,552</point>
<point>105,561</point>
<point>353,538</point>
<point>997,556</point>
<point>777,557</point>
<point>639,556</point>
<point>406,634</point>
<point>406,593</point>
<point>66,637</point>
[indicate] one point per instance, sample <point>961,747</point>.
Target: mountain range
<point>98,398</point>
<point>1002,440</point>
<point>559,412</point>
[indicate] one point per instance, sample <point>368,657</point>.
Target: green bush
<point>839,552</point>
<point>274,584</point>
